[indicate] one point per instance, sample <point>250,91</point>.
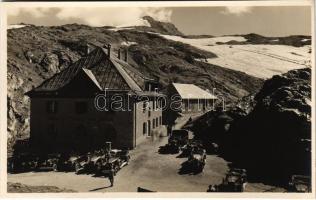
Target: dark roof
<point>106,73</point>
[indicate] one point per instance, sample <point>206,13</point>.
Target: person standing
<point>111,175</point>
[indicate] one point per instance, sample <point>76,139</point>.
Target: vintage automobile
<point>191,144</point>
<point>241,172</point>
<point>67,162</point>
<point>22,162</point>
<point>300,183</point>
<point>196,159</point>
<point>235,181</point>
<point>177,140</point>
<point>180,135</point>
<point>47,162</point>
<point>81,162</point>
<point>117,160</point>
<point>211,147</point>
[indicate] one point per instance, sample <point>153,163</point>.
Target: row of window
<point>80,107</point>
<point>155,123</point>
<point>156,104</point>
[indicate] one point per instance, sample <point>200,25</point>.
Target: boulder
<point>269,140</point>
<point>50,63</point>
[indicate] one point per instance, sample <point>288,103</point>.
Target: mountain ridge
<point>36,53</point>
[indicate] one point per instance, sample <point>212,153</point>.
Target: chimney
<point>109,50</point>
<point>119,54</point>
<point>125,57</point>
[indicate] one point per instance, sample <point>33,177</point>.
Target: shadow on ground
<point>186,168</point>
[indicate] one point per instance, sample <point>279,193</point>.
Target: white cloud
<point>35,12</point>
<point>237,10</point>
<point>125,16</point>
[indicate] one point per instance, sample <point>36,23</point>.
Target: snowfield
<point>14,26</point>
<point>262,61</point>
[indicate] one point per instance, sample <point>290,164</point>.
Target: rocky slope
<point>252,38</point>
<point>35,53</point>
<point>278,131</point>
<point>268,134</point>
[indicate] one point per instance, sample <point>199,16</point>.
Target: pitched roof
<point>191,91</point>
<point>105,72</point>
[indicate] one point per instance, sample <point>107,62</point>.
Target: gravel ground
<point>147,169</point>
<point>21,188</point>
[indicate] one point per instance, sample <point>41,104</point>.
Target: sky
<point>264,20</point>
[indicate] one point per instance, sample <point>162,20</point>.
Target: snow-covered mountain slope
<point>14,26</point>
<point>262,61</point>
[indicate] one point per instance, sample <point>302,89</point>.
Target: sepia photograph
<point>145,97</point>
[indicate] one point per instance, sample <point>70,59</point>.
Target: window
<point>157,121</point>
<point>160,120</point>
<point>149,87</point>
<point>51,106</point>
<point>149,112</point>
<point>144,106</point>
<point>153,123</point>
<point>149,129</point>
<point>81,107</point>
<point>144,128</point>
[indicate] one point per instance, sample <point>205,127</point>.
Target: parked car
<point>191,144</point>
<point>47,162</point>
<point>211,147</point>
<point>22,162</point>
<point>300,183</point>
<point>235,181</point>
<point>67,162</point>
<point>180,135</point>
<point>176,141</point>
<point>80,163</point>
<point>197,159</point>
<point>117,160</point>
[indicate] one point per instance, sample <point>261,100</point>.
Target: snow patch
<point>262,61</point>
<point>127,43</point>
<point>305,40</point>
<point>14,26</point>
<point>205,41</point>
<point>122,28</point>
<point>129,26</point>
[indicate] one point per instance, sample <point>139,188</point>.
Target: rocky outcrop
<point>163,27</point>
<point>274,139</point>
<point>269,134</point>
<point>252,38</point>
<point>50,62</point>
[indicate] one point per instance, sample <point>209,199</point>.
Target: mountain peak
<point>162,27</point>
